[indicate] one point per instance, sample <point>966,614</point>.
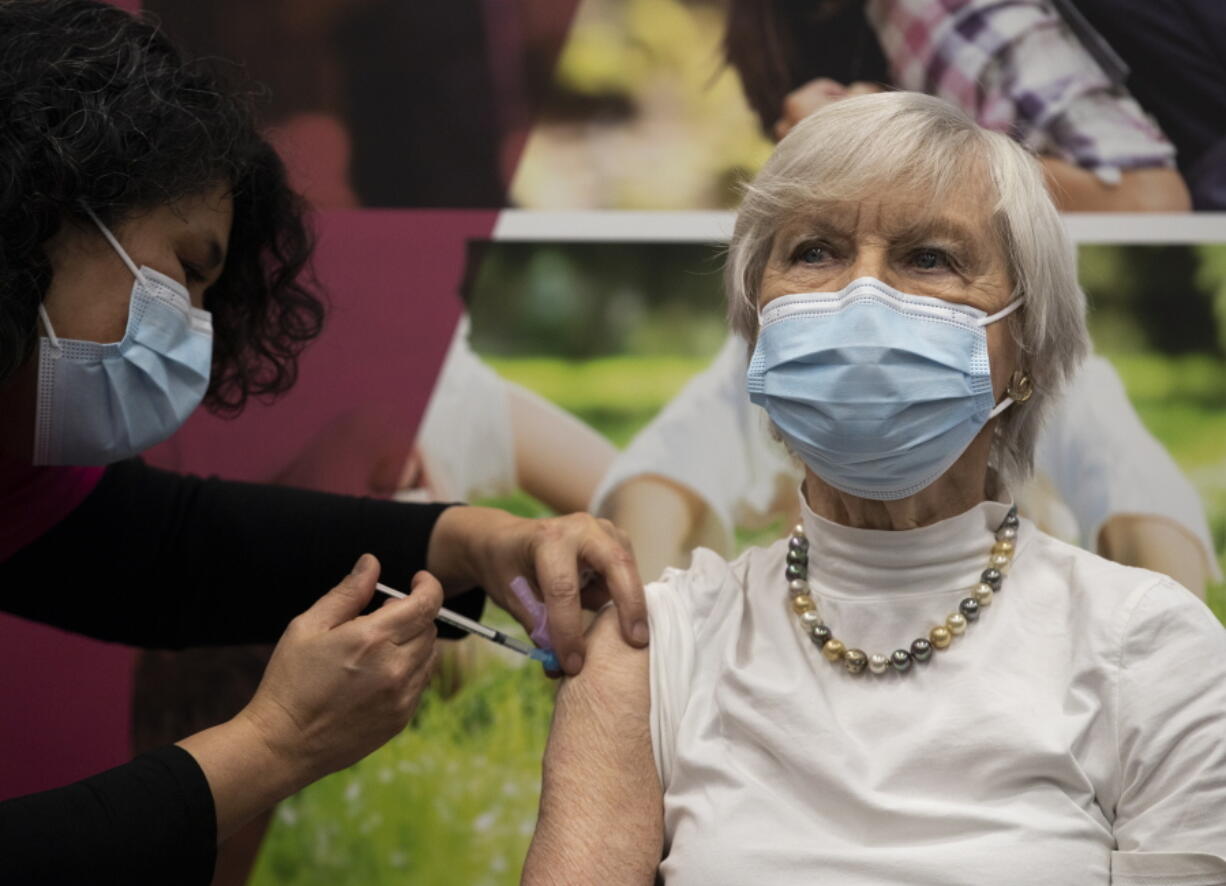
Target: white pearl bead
<point>798,586</point>
<point>878,663</point>
<point>799,530</point>
<point>956,622</point>
<point>983,594</point>
<point>810,617</point>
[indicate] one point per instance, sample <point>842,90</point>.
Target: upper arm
<point>601,817</point>
<point>1172,727</point>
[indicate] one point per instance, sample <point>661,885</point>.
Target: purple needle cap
<point>536,609</point>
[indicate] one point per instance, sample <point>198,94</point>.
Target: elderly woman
<point>915,685</point>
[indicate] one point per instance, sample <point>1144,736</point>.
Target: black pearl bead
<point>819,634</point>
<point>970,608</point>
<point>921,650</point>
<point>795,570</point>
<point>798,543</point>
<point>798,556</point>
<point>992,577</point>
<point>901,660</point>
<point>1011,521</point>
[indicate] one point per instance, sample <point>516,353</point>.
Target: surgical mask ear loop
<point>51,336</point>
<point>1003,312</point>
<point>1010,396</point>
<point>1019,390</point>
<point>110,238</point>
<point>127,260</point>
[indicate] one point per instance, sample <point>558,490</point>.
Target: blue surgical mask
<point>877,391</point>
<point>101,403</point>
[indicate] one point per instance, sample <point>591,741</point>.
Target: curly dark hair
<point>98,108</point>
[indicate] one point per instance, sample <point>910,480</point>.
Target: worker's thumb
<point>347,600</point>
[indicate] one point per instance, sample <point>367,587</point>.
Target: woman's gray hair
<point>865,147</point>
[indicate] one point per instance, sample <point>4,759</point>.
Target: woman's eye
<point>812,255</point>
<point>930,259</point>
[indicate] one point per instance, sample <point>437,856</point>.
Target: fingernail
<point>639,632</point>
<point>574,663</point>
<point>360,566</point>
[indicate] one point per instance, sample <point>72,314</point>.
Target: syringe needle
<point>446,616</point>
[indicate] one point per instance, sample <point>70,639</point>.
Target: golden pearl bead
<point>854,660</point>
<point>940,637</point>
<point>983,594</point>
<point>802,603</point>
<point>956,622</point>
<point>1003,547</point>
<point>834,649</point>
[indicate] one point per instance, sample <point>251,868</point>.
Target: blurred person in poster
<point>363,94</point>
<point>1062,724</point>
<point>1175,52</point>
<point>1016,68</point>
<point>485,437</point>
<point>1106,484</point>
<point>154,259</point>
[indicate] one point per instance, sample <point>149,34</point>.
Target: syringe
<point>545,656</point>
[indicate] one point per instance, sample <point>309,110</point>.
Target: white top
<point>1093,452</point>
<point>1076,734</point>
<point>466,440</point>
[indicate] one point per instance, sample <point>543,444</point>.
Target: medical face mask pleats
<point>877,391</point>
<point>101,403</point>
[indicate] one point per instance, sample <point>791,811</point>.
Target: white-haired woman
<point>915,686</point>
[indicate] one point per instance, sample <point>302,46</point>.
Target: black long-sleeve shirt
<point>161,560</point>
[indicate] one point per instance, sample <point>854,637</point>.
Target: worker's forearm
<point>246,774</point>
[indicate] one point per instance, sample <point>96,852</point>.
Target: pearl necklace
<point>940,637</point>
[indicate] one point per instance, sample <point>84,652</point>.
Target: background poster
<point>468,162</point>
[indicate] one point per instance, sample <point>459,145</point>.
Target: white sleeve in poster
<point>1104,462</point>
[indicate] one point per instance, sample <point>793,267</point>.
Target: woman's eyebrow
<point>945,229</point>
<point>810,227</point>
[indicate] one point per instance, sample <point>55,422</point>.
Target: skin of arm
<point>558,458</point>
<point>659,515</point>
<point>602,809</point>
<point>1140,190</point>
<point>338,686</point>
<point>1158,544</point>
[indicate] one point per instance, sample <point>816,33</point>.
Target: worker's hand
<point>573,562</point>
<point>814,95</point>
<point>341,684</point>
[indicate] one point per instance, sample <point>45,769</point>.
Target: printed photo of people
<point>519,234</point>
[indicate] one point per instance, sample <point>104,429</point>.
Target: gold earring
<point>1020,387</point>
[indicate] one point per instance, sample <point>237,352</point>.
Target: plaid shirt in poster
<point>1017,68</point>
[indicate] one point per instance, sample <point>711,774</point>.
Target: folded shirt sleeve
<point>1171,740</point>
